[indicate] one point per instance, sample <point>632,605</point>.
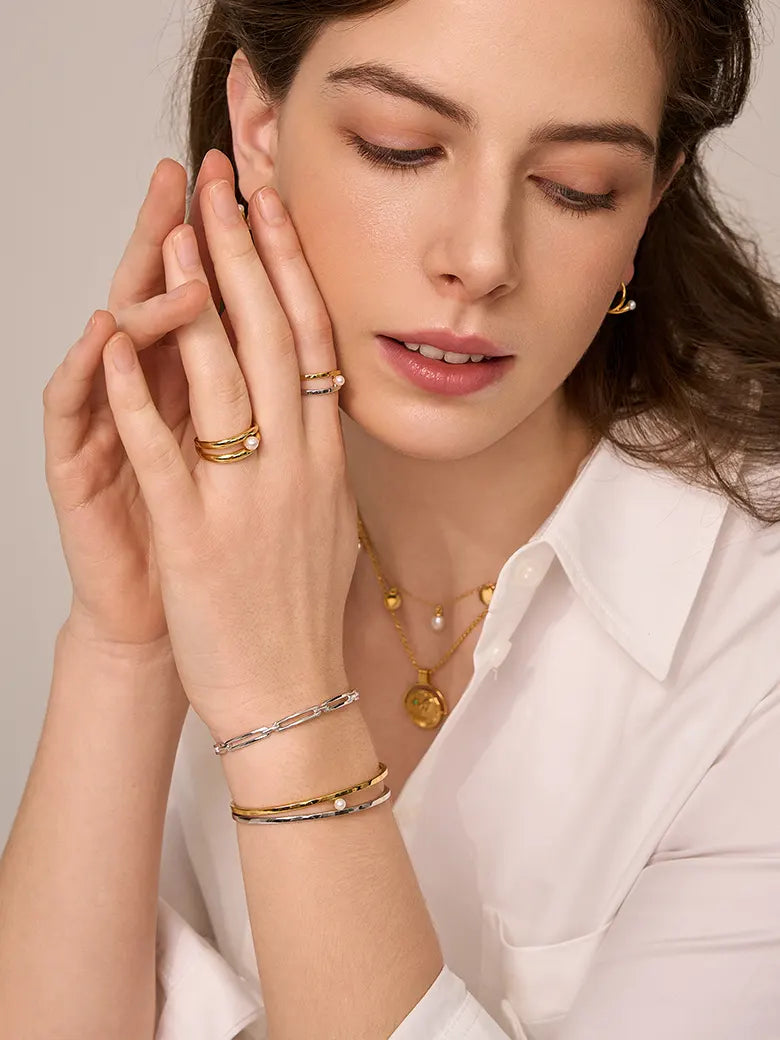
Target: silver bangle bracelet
<point>341,700</point>
<point>386,792</point>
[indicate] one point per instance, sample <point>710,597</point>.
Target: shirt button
<point>526,574</point>
<point>498,654</point>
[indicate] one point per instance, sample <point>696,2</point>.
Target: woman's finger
<point>140,272</point>
<point>293,284</point>
<point>266,349</point>
<point>153,451</point>
<point>215,166</point>
<point>66,412</point>
<point>219,400</point>
<point>148,322</point>
<point>76,387</point>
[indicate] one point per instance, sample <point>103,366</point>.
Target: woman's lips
<point>440,377</point>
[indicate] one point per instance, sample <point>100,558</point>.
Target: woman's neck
<point>442,527</point>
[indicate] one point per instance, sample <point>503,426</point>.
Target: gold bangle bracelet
<point>333,796</point>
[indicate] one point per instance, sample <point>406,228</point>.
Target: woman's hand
<point>256,556</point>
<point>103,520</point>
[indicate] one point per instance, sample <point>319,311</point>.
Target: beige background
<point>85,118</point>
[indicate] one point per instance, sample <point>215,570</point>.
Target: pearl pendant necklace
<point>394,599</point>
<point>425,705</point>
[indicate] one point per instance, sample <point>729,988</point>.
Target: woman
<point>560,617</point>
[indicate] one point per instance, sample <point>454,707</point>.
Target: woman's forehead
<point>503,57</point>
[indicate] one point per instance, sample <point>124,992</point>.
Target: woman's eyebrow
<point>384,78</point>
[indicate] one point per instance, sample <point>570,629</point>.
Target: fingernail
<point>224,202</point>
<point>270,206</point>
<point>186,249</point>
<point>122,353</point>
<point>89,325</point>
<point>180,290</point>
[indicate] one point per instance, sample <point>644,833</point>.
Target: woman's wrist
<point>80,628</point>
<point>104,670</point>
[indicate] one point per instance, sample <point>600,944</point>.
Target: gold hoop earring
<point>624,306</point>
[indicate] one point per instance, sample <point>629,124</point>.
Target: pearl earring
<point>624,306</point>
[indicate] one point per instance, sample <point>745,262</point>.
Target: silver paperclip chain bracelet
<point>341,700</point>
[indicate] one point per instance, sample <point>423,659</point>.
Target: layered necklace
<point>425,705</point>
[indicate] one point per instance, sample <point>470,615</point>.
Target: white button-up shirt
<point>596,828</point>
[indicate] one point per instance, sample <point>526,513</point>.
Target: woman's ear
<point>254,125</point>
<point>661,188</point>
<point>658,194</point>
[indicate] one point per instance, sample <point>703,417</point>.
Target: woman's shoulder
<point>750,532</point>
<point>675,535</point>
<point>753,523</point>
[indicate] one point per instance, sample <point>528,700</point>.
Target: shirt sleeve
<point>199,995</point>
<point>694,950</point>
<point>448,1011</point>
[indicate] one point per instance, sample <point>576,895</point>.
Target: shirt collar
<point>634,541</point>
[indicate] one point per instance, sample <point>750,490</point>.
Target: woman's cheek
<point>591,260</point>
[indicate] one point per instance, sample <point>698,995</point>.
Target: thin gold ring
<point>338,380</point>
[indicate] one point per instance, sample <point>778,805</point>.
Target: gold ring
<point>249,438</point>
<point>338,380</point>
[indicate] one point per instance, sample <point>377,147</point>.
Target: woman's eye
<point>392,158</point>
<point>577,202</point>
<point>569,199</point>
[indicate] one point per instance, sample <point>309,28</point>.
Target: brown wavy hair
<point>690,380</point>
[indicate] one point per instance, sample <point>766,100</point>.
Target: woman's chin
<point>417,431</point>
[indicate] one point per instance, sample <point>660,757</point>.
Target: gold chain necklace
<point>424,703</point>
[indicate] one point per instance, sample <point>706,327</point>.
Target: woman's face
<point>485,234</point>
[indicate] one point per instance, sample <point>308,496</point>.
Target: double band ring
<point>249,439</point>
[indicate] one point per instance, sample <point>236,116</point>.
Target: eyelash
<point>576,202</point>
